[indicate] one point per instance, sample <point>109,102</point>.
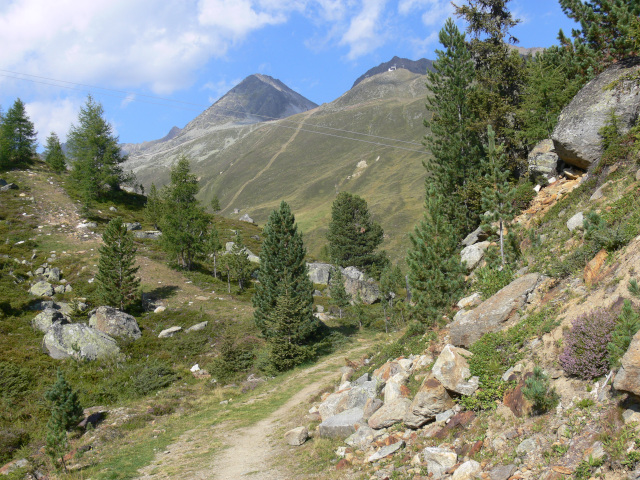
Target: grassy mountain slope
<point>253,168</point>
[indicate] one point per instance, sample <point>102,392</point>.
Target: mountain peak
<point>416,66</point>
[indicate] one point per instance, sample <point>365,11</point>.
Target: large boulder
<point>319,273</point>
<point>491,314</point>
<point>341,425</point>
<point>390,414</point>
<point>628,377</point>
<point>78,341</point>
<point>576,139</point>
<point>115,323</point>
<point>452,371</point>
<point>439,460</point>
<point>431,399</point>
<point>543,161</point>
<point>472,255</point>
<point>48,317</point>
<point>357,284</point>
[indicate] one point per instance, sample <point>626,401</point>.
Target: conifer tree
<point>237,262</point>
<point>19,136</point>
<point>95,154</point>
<point>213,247</point>
<point>66,413</point>
<point>117,285</point>
<point>454,148</point>
<point>339,296</point>
<point>4,148</point>
<point>215,204</point>
<point>283,272</point>
<point>436,276</point>
<point>353,235</point>
<point>184,223</point>
<point>53,154</point>
<point>627,326</point>
<point>153,210</point>
<point>498,196</point>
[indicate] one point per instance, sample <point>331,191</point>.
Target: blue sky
<point>194,51</point>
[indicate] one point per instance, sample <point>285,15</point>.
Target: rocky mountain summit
<point>421,66</point>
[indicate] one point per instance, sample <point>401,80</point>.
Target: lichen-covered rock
<point>197,327</point>
<point>41,289</point>
<point>473,254</point>
<point>45,319</point>
<point>169,332</point>
<point>357,284</point>
<point>543,161</point>
<point>577,221</point>
<point>115,323</point>
<point>389,414</point>
<point>319,273</point>
<point>576,139</point>
<point>78,341</point>
<point>491,314</point>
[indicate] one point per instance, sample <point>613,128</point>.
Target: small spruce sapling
<point>538,391</point>
<point>66,412</point>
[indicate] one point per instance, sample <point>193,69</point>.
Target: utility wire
<point>172,103</point>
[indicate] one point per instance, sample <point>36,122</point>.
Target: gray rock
<point>54,274</point>
<point>444,416</point>
<point>296,436</point>
<point>169,332</point>
<point>113,209</point>
<point>133,226</point>
<point>386,451</point>
<point>575,137</point>
<point>628,377</point>
<point>543,161</point>
<point>115,323</point>
<point>357,284</point>
<point>491,314</point>
<point>78,341</point>
<point>42,289</point>
<point>319,273</point>
<point>431,399</point>
<point>197,327</point>
<point>599,193</point>
<point>333,404</point>
<point>472,300</point>
<point>371,407</point>
<point>68,288</point>
<point>45,319</point>
<point>8,186</point>
<point>246,218</point>
<point>527,446</point>
<point>341,425</point>
<point>59,289</point>
<point>390,414</point>
<point>362,438</point>
<point>148,234</point>
<point>577,221</point>
<point>358,395</point>
<point>362,379</point>
<point>439,460</point>
<point>86,225</point>
<point>467,471</point>
<point>502,472</point>
<point>476,236</point>
<point>452,370</point>
<point>472,255</point>
<point>318,293</point>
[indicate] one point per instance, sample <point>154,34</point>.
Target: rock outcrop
<point>47,318</point>
<point>357,284</point>
<point>491,314</point>
<point>628,377</point>
<point>543,161</point>
<point>576,139</point>
<point>319,273</point>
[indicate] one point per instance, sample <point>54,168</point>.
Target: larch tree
<point>213,247</point>
<point>238,264</point>
<point>154,207</point>
<point>117,284</point>
<point>283,275</point>
<point>353,235</point>
<point>339,296</point>
<point>95,154</point>
<point>53,154</point>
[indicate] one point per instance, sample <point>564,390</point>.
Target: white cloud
<point>235,19</point>
<point>366,31</point>
<point>423,45</point>
<point>434,12</point>
<point>127,100</point>
<point>220,88</point>
<point>53,116</point>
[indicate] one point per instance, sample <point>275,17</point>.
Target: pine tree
<point>183,223</point>
<point>454,148</point>
<point>627,326</point>
<point>215,204</point>
<point>499,70</point>
<point>497,198</point>
<point>289,339</point>
<point>436,276</point>
<point>66,412</point>
<point>609,29</point>
<point>117,285</point>
<point>237,262</point>
<point>339,296</point>
<point>53,154</point>
<point>283,270</point>
<point>19,136</point>
<point>213,246</point>
<point>95,154</point>
<point>353,235</point>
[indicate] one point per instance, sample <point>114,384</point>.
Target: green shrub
<point>626,327</point>
<point>490,280</point>
<point>538,391</point>
<point>151,378</point>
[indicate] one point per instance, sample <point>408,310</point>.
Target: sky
<point>155,64</point>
